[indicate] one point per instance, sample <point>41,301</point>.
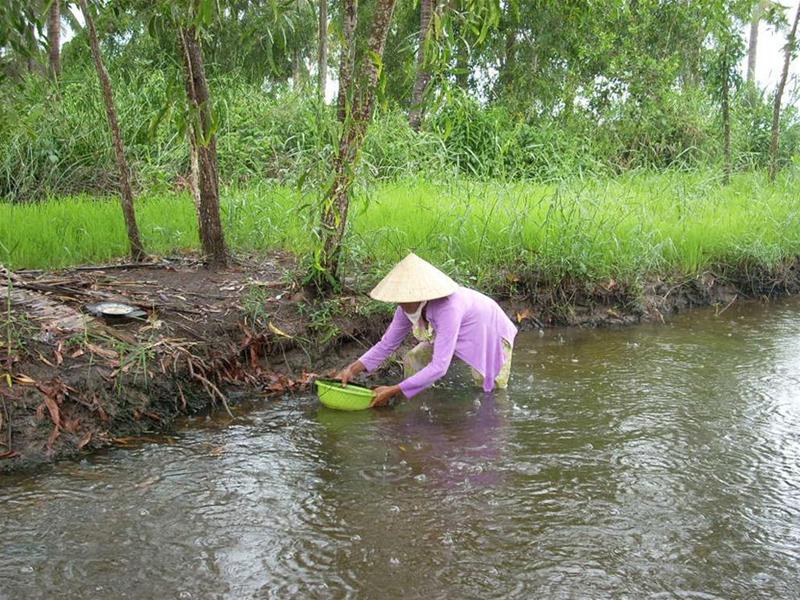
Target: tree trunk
<point>347,63</point>
<point>31,60</point>
<point>336,203</point>
<point>322,56</point>
<point>776,111</point>
<point>126,194</point>
<point>210,223</point>
<point>296,69</point>
<point>462,64</point>
<point>426,8</point>
<point>752,47</point>
<point>194,172</point>
<point>508,68</point>
<point>54,38</point>
<point>726,124</point>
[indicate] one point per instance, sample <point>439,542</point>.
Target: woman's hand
<point>350,371</point>
<point>383,394</point>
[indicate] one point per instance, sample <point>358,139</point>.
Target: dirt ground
<point>71,382</point>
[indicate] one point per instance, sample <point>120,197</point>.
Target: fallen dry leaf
<point>52,407</point>
<point>22,379</point>
<point>124,441</point>
<point>53,437</point>
<point>277,331</point>
<point>104,352</point>
<point>523,314</point>
<point>45,361</point>
<point>85,439</point>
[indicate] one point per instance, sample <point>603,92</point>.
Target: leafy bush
<point>55,140</point>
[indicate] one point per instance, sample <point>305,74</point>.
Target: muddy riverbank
<point>73,382</point>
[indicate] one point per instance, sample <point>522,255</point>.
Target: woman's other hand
<point>383,394</point>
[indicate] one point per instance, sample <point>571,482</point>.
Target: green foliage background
<point>55,140</point>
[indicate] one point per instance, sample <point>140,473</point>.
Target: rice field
<point>625,227</point>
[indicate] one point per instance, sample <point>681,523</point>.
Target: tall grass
<point>626,227</point>
<point>54,139</point>
<point>82,229</point>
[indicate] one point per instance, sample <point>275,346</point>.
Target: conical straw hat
<point>413,280</point>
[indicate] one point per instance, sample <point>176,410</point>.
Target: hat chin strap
<point>417,314</point>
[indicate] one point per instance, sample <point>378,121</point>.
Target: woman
<point>447,320</point>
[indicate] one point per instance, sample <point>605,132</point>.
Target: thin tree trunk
<point>423,78</point>
<point>296,68</point>
<point>776,111</point>
<point>31,60</point>
<point>336,204</point>
<point>726,124</point>
<point>347,63</point>
<point>462,64</point>
<point>54,38</point>
<point>752,47</point>
<point>508,68</point>
<point>194,172</point>
<point>322,56</point>
<point>212,238</point>
<point>126,194</point>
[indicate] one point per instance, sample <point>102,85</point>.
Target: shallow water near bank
<point>658,461</point>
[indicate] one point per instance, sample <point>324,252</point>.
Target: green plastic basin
<point>352,397</point>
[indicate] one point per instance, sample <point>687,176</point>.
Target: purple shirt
<point>466,324</point>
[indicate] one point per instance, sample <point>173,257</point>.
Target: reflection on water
<point>655,461</point>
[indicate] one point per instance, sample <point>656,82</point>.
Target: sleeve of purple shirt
<point>399,328</point>
<point>446,324</point>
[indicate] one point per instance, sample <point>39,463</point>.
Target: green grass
<point>625,227</point>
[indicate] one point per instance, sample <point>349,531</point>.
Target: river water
<point>656,461</point>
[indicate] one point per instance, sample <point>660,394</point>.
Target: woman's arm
<point>398,329</point>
